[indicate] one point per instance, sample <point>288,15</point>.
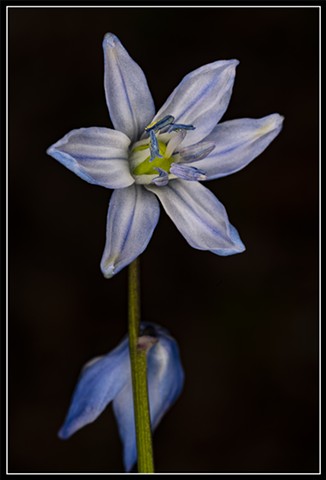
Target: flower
<point>108,378</point>
<point>164,156</point>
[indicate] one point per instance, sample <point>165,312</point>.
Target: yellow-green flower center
<point>148,167</point>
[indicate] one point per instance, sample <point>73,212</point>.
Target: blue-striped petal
<point>128,97</point>
<point>201,98</point>
<point>99,383</point>
<point>237,143</point>
<point>199,216</point>
<point>132,217</point>
<point>165,382</point>
<point>97,155</point>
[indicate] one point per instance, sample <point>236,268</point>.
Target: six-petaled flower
<point>164,156</point>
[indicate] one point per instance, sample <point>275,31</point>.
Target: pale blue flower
<point>108,378</point>
<point>164,156</point>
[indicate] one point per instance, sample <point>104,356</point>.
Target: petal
<point>199,216</point>
<point>127,94</point>
<point>123,408</point>
<point>97,155</point>
<point>99,382</point>
<point>201,98</point>
<point>132,217</point>
<point>165,375</point>
<point>237,143</point>
<point>196,152</point>
<point>165,381</point>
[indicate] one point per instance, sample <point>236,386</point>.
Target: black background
<point>247,325</point>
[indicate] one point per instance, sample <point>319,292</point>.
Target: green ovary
<point>149,168</point>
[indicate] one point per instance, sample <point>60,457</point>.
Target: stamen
<point>165,129</point>
<point>156,126</point>
<point>187,173</point>
<point>196,152</point>
<point>180,126</point>
<point>153,146</point>
<point>162,179</point>
<point>175,141</point>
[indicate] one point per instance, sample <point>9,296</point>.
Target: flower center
<point>150,167</point>
<point>151,158</point>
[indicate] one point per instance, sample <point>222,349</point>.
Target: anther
<point>162,179</point>
<point>180,126</point>
<point>187,173</point>
<point>156,126</point>
<point>153,146</point>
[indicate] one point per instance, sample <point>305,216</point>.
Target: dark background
<point>247,325</point>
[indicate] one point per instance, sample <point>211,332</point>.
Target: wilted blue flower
<point>164,156</point>
<point>108,378</point>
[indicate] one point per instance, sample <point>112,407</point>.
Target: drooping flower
<point>108,378</point>
<point>164,155</point>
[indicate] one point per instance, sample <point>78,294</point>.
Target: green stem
<point>139,376</point>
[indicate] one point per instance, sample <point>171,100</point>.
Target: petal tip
<point>274,122</point>
<point>110,40</point>
<point>54,149</point>
<point>236,245</point>
<point>108,271</point>
<point>231,64</point>
<point>276,118</point>
<point>63,433</point>
<point>49,151</point>
<point>240,248</point>
<point>279,119</point>
<point>128,464</point>
<point>56,153</point>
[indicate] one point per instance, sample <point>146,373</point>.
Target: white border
<point>163,6</point>
<point>7,243</point>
